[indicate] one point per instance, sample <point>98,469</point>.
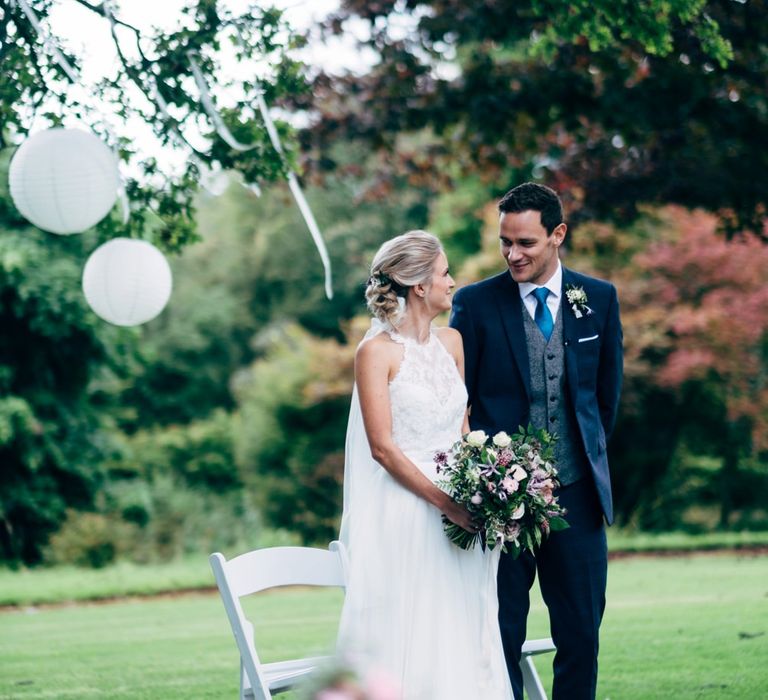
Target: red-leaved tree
<point>697,323</point>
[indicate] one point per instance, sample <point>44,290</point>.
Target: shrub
<point>90,540</point>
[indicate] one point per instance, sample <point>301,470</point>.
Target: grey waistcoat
<point>550,408</point>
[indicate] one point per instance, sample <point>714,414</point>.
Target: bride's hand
<point>458,514</point>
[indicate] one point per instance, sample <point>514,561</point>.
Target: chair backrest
<point>262,569</point>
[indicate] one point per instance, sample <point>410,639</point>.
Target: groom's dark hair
<point>530,196</point>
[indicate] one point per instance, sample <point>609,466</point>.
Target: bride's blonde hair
<point>401,263</point>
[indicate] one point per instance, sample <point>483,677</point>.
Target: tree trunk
<point>728,476</point>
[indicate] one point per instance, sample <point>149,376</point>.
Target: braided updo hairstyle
<point>400,263</point>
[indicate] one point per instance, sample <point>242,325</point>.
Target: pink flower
<point>519,512</point>
<point>505,457</point>
<point>379,686</point>
<point>337,694</point>
<point>477,499</point>
<point>509,484</point>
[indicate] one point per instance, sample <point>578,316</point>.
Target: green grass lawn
<point>68,583</point>
<point>686,627</point>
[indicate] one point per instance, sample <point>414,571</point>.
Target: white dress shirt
<point>554,284</point>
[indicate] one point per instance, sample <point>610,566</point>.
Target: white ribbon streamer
<point>47,40</point>
<point>210,108</point>
<point>298,195</point>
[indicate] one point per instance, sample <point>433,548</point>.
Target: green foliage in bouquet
<point>507,484</point>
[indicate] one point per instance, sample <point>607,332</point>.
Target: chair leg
<point>531,681</point>
<point>246,692</point>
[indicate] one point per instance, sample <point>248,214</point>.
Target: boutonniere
<point>577,298</point>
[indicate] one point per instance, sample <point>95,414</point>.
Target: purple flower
<point>505,457</point>
<point>441,460</point>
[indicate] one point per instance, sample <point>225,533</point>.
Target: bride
<point>418,608</point>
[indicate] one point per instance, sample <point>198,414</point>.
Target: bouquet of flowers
<point>507,484</point>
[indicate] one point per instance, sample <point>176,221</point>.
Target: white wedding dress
<point>418,609</point>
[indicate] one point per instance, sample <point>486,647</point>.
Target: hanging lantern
<point>64,180</point>
<point>127,282</point>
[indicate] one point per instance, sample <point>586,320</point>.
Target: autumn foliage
<point>702,307</point>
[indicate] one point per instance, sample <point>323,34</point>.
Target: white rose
<point>502,439</point>
<point>477,438</point>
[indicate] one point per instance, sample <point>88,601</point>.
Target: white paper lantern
<point>64,180</point>
<point>127,282</point>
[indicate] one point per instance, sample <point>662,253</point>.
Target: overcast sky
<point>87,35</point>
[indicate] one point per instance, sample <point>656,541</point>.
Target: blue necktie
<point>543,315</point>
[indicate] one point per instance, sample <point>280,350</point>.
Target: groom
<point>543,345</point>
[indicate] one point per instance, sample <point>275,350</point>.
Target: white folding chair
<point>531,681</point>
<point>286,566</point>
<point>268,568</point>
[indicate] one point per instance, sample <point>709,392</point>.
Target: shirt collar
<point>554,284</point>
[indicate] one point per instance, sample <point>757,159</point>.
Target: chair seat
<point>282,675</point>
<point>538,646</point>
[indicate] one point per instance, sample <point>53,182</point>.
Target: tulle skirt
<point>418,609</point>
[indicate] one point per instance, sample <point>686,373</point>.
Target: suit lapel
<point>511,311</point>
<point>570,333</point>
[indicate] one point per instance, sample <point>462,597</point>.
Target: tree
<point>60,368</point>
<point>293,408</point>
<point>155,83</point>
<point>704,333</point>
<point>52,348</point>
<point>614,105</point>
<point>248,272</point>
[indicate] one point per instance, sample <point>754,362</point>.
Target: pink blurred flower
<point>380,686</point>
<point>337,694</point>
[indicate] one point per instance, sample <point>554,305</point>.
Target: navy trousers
<point>572,568</point>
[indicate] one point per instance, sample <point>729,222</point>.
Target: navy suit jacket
<point>488,314</point>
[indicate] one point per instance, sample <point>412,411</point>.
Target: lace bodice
<point>428,398</point>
